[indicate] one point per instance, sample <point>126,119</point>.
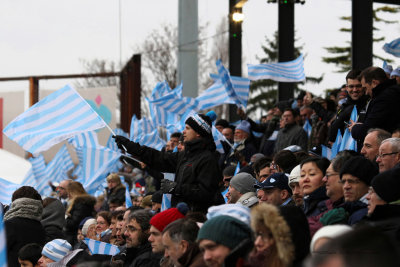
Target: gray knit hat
<point>243,182</point>
<point>225,230</point>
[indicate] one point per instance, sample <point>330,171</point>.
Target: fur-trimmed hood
<point>269,216</point>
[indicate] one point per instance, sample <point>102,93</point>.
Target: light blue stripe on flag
<point>102,248</point>
<point>291,71</point>
<point>224,193</point>
<point>88,139</point>
<point>326,152</point>
<point>128,199</point>
<point>237,169</point>
<point>53,119</point>
<point>393,47</point>
<point>58,167</point>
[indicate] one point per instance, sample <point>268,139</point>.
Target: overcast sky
<point>50,37</point>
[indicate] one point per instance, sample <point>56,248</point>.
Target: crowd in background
<point>273,198</point>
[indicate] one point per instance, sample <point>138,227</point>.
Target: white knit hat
<point>294,176</point>
<point>86,226</point>
<point>56,249</point>
<point>329,231</point>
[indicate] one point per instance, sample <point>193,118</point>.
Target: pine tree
<point>264,93</point>
<point>341,55</point>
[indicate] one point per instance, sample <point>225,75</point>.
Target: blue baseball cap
<point>277,180</point>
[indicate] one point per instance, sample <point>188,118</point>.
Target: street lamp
<point>237,15</point>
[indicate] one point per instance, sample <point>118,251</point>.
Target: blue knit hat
<point>244,126</point>
<point>56,249</point>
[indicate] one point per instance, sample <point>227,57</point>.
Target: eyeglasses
<point>330,174</point>
<point>349,181</point>
<point>386,154</point>
<point>354,86</point>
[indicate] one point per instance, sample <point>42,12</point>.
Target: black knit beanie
<point>201,124</point>
<point>225,230</point>
<point>361,168</point>
<point>387,184</point>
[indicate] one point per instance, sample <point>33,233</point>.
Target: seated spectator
<point>372,142</point>
<point>227,174</point>
<point>294,179</point>
<point>89,229</point>
<point>103,221</point>
<point>276,190</point>
<point>115,203</point>
<point>54,251</point>
<point>114,190</point>
<point>156,200</point>
<point>382,210</point>
<point>389,154</point>
<point>311,181</point>
<point>221,124</point>
<point>241,190</point>
<point>262,168</point>
<point>179,241</point>
<point>282,236</point>
<point>355,176</point>
<point>113,225</point>
<point>29,255</point>
<point>158,223</point>
<point>224,241</point>
<point>285,161</point>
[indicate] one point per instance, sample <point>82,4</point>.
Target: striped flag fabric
<point>3,241</point>
<point>85,139</point>
<point>93,159</point>
<point>348,141</point>
<point>166,198</point>
<point>58,167</point>
<point>29,179</point>
<point>226,80</point>
<point>152,140</point>
<point>102,248</point>
<point>216,94</point>
<point>326,152</point>
<point>336,145</point>
<point>237,169</point>
<point>393,47</point>
<point>53,119</point>
<point>223,193</point>
<point>140,127</point>
<point>307,127</point>
<point>290,71</point>
<point>7,188</point>
<point>128,199</point>
<point>40,174</point>
<point>99,162</point>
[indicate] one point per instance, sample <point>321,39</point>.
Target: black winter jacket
<point>83,207</point>
<point>382,111</point>
<point>196,172</point>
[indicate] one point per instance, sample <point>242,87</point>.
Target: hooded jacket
<point>197,174</point>
<point>291,134</point>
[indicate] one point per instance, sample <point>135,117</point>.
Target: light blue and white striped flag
<point>152,140</point>
<point>393,47</point>
<point>326,152</point>
<point>290,71</point>
<point>102,248</point>
<point>7,188</point>
<point>99,161</point>
<point>140,127</point>
<point>336,145</point>
<point>226,80</point>
<point>29,179</point>
<point>216,94</point>
<point>58,167</point>
<point>93,159</point>
<point>348,141</point>
<point>53,119</point>
<point>88,139</point>
<point>218,138</point>
<point>166,198</point>
<point>3,242</point>
<point>128,199</point>
<point>307,127</point>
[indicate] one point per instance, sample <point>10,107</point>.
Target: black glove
<point>167,186</point>
<point>131,147</point>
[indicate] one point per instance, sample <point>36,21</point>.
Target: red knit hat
<point>162,219</point>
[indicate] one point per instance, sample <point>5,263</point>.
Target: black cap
<point>276,180</point>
